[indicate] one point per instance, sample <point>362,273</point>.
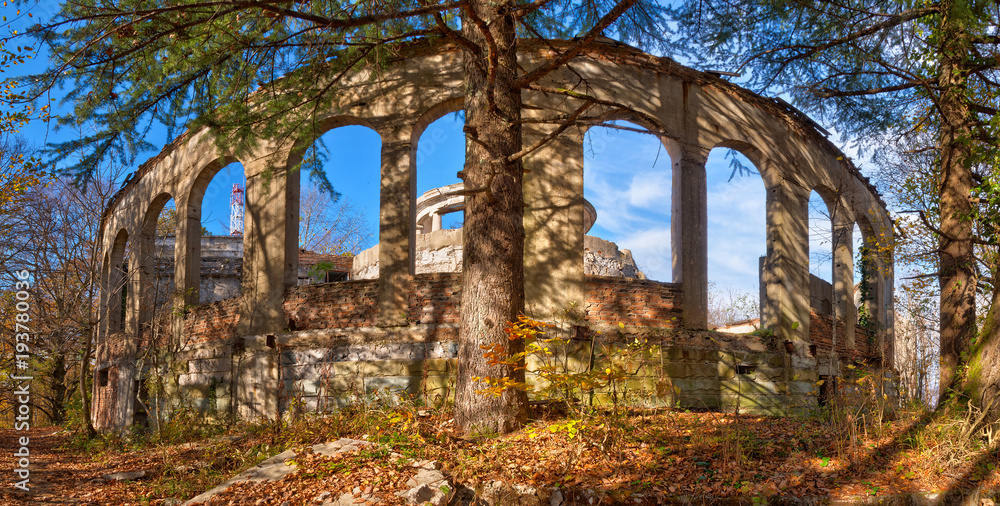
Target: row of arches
<point>735,209</point>
<point>791,166</point>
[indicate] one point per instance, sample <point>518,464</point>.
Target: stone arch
<point>879,277</point>
<point>416,130</point>
<point>694,111</point>
<point>740,232</point>
<point>118,283</point>
<point>667,152</point>
<point>187,236</point>
<point>768,172</point>
<point>294,189</point>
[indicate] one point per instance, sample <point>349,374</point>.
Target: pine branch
<point>553,134</point>
<point>830,93</point>
<point>577,46</point>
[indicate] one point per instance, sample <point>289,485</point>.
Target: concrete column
<point>127,374</point>
<point>187,253</point>
<point>146,280</point>
<point>689,232</point>
<point>787,269</point>
<point>255,369</point>
<point>270,245</point>
<point>553,223</point>
<point>887,318</point>
<point>396,232</point>
<point>843,276</point>
<point>104,312</point>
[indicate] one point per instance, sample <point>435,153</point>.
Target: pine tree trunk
<point>982,379</point>
<point>493,232</point>
<point>957,269</point>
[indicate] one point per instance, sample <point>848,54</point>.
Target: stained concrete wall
<point>691,112</point>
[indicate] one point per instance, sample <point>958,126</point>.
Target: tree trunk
<point>84,374</point>
<point>982,378</point>
<point>957,269</point>
<point>493,232</point>
<point>58,387</point>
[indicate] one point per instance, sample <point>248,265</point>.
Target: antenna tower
<point>236,211</point>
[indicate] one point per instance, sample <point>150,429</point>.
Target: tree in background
<point>260,70</point>
<point>331,225</point>
<point>916,338</point>
<point>19,170</point>
<point>901,79</point>
<point>729,305</point>
<point>58,246</point>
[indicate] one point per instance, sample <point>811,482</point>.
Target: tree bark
<point>957,277</point>
<point>982,378</point>
<point>58,388</point>
<point>493,232</point>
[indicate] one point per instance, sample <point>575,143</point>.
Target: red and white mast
<point>236,211</point>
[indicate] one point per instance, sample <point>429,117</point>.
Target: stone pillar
<point>435,222</point>
<point>97,416</point>
<point>887,318</point>
<point>146,280</point>
<point>843,277</point>
<point>187,253</point>
<point>396,232</point>
<point>553,223</point>
<point>787,270</point>
<point>255,370</point>
<point>127,373</point>
<point>689,233</point>
<point>270,245</point>
<point>104,312</point>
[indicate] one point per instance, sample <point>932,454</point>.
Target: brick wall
<point>210,322</point>
<point>332,305</point>
<point>820,334</point>
<point>104,400</point>
<point>638,302</point>
<point>436,298</point>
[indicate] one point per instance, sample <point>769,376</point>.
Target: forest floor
<point>640,457</point>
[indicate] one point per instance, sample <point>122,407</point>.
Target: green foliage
<point>555,376</point>
<point>865,318</point>
<point>252,72</point>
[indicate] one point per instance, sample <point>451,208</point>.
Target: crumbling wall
<point>603,258</point>
<point>634,302</point>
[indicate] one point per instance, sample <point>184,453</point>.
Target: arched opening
<point>866,280</point>
<point>821,295</point>
<point>338,203</point>
<point>627,185</point>
<point>439,210</point>
<point>159,239</point>
<point>737,224</point>
<point>117,287</point>
<point>216,212</point>
<point>440,156</point>
<point>211,236</point>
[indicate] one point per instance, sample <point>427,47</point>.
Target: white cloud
<point>651,251</point>
<point>650,190</point>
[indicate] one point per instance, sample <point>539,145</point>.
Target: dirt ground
<point>643,459</point>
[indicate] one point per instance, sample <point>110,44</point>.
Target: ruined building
<point>316,344</point>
